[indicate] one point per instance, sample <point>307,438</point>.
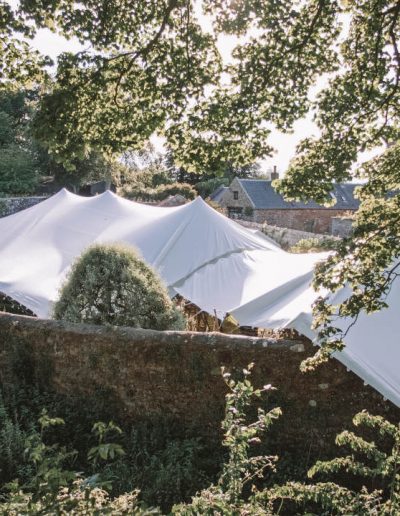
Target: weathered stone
<point>174,374</point>
<point>297,348</point>
<point>10,205</point>
<point>323,386</point>
<point>342,226</point>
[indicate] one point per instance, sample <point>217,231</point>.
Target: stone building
<point>256,200</point>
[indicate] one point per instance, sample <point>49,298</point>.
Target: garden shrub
<point>248,211</point>
<point>56,487</point>
<point>139,192</point>
<point>207,187</point>
<point>3,207</point>
<point>110,284</point>
<point>161,457</point>
<point>12,446</point>
<point>315,245</point>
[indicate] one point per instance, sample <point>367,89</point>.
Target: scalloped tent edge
<point>207,258</point>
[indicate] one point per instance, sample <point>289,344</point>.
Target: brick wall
<point>310,220</point>
<point>177,374</point>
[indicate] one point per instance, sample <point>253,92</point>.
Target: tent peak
<point>64,193</point>
<point>109,193</point>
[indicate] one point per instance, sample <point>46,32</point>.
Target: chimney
<point>274,174</point>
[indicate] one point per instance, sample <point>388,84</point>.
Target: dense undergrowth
<point>68,465</point>
<point>160,458</point>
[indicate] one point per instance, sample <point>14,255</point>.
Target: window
<point>235,213</point>
<point>236,195</point>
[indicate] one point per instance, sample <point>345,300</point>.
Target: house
<point>258,201</point>
<point>217,194</point>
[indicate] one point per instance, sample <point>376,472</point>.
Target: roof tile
<point>265,197</point>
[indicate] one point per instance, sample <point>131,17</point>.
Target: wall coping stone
<point>138,335</point>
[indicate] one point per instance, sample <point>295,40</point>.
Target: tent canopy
<point>207,258</point>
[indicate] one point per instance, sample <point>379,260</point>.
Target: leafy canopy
<point>150,66</point>
<point>18,167</point>
<point>24,161</point>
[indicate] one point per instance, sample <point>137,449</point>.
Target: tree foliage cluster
<point>18,163</point>
<point>151,176</point>
<point>146,177</point>
<point>68,465</point>
<point>110,284</point>
<point>151,67</point>
<point>46,479</point>
<point>25,162</point>
<point>137,192</point>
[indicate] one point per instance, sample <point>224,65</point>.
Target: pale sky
<point>285,144</point>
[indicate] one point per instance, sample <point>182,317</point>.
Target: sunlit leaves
<point>19,63</point>
<point>149,67</point>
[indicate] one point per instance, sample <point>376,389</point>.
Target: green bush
<point>165,469</point>
<point>110,284</point>
<point>161,457</point>
<point>164,191</point>
<point>207,187</point>
<point>12,446</point>
<point>375,463</point>
<point>3,207</point>
<point>139,192</point>
<point>315,245</point>
<point>248,211</point>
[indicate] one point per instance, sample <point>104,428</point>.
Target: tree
<point>20,65</point>
<point>90,169</point>
<point>151,68</point>
<point>110,284</point>
<point>144,176</point>
<point>208,181</point>
<point>24,161</point>
<point>229,172</point>
<point>18,171</point>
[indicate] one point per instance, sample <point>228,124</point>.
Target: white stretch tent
<point>209,259</point>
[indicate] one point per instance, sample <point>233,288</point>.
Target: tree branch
<point>144,51</point>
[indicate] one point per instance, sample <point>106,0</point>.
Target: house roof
<point>265,197</point>
<point>218,193</point>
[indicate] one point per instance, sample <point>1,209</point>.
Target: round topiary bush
<point>110,284</point>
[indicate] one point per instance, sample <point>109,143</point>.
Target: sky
<point>52,45</point>
<point>285,144</point>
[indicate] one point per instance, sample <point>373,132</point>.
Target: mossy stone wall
<point>146,374</point>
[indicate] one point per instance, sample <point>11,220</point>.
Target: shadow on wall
<point>151,374</point>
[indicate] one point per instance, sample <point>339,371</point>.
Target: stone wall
<point>149,374</point>
<point>10,205</point>
<point>285,237</point>
<point>310,220</point>
<point>228,199</point>
<point>342,226</point>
